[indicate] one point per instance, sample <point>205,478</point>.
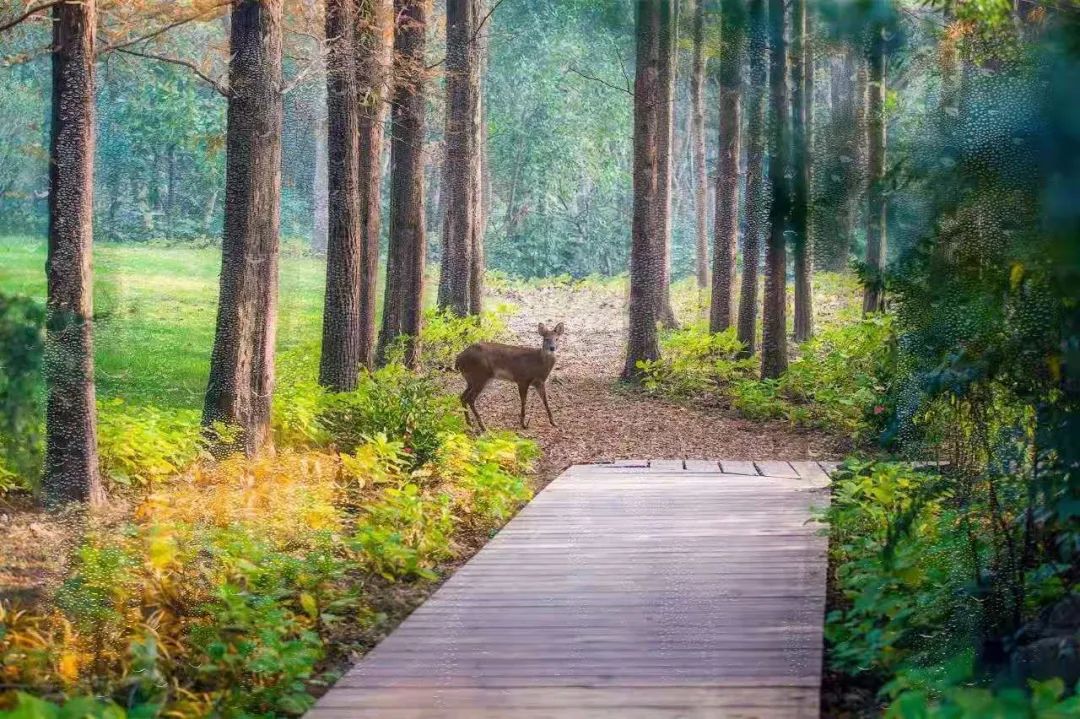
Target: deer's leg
<point>523,390</point>
<point>466,397</point>
<point>474,392</point>
<point>541,387</point>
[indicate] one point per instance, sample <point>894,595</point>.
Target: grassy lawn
<point>155,309</point>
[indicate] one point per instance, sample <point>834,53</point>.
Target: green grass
<point>154,309</point>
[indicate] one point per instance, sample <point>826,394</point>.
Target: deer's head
<point>550,337</point>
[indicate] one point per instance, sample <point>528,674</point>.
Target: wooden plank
<point>614,595</point>
<point>626,463</point>
<point>828,467</point>
<point>769,468</point>
<point>702,465</point>
<point>666,465</point>
<point>738,467</point>
<point>810,471</point>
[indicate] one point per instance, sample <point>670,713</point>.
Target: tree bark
<point>461,163</point>
<point>873,297</point>
<point>646,244</point>
<point>373,51</point>
<point>242,362</point>
<point>480,176</point>
<point>701,185</point>
<point>802,114</point>
<point>774,330</point>
<point>667,69</point>
<point>727,184</point>
<point>403,304</point>
<point>320,226</point>
<point>756,200</point>
<point>71,472</point>
<point>342,327</point>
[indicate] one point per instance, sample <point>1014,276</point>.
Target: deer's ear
<point>542,329</point>
<point>559,329</point>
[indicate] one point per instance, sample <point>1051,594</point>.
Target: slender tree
<point>802,116</point>
<point>481,176</point>
<point>756,200</point>
<point>727,185</point>
<point>461,168</point>
<point>342,323</point>
<point>646,243</point>
<point>320,188</point>
<point>373,57</point>
<point>773,337</point>
<point>71,458</point>
<point>701,185</point>
<point>403,303</point>
<point>242,362</point>
<point>667,69</point>
<point>873,297</point>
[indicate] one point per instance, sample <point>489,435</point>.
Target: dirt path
<point>599,419</point>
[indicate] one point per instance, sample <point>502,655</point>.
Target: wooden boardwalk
<point>629,590</point>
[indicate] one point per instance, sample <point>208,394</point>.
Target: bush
<point>22,346</point>
<point>695,363</point>
<point>140,445</point>
<point>445,334</point>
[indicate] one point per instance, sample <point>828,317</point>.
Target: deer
<point>525,366</point>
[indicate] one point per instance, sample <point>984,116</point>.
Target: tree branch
<point>32,10</point>
<point>217,85</point>
<point>164,29</point>
<point>602,81</point>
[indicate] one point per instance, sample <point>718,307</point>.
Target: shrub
<point>22,346</point>
<point>445,334</point>
<point>695,363</point>
<point>140,445</point>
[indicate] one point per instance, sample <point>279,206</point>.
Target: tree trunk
<point>667,70</point>
<point>403,304</point>
<point>242,362</point>
<point>341,329</point>
<point>646,244</point>
<point>802,114</point>
<point>756,200</point>
<point>373,19</point>
<point>480,177</point>
<point>171,195</point>
<point>873,297</point>
<point>320,226</point>
<point>71,471</point>
<point>774,330</point>
<point>727,184</point>
<point>701,185</point>
<point>461,164</point>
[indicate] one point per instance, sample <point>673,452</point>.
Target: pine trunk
<point>646,244</point>
<point>875,194</point>
<point>320,226</point>
<point>727,185</point>
<point>802,101</point>
<point>242,362</point>
<point>701,182</point>
<point>774,319</point>
<point>480,177</point>
<point>667,70</point>
<point>372,19</point>
<point>341,328</point>
<point>403,303</point>
<point>755,204</point>
<point>71,471</point>
<point>461,166</point>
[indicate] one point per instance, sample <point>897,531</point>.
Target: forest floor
<point>598,418</point>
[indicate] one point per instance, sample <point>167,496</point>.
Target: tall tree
<point>875,158</point>
<point>756,201</point>
<point>373,50</point>
<point>71,458</point>
<point>320,189</point>
<point>727,184</point>
<point>461,168</point>
<point>701,185</point>
<point>773,336</point>
<point>403,303</point>
<point>646,244</point>
<point>667,69</point>
<point>802,117</point>
<point>342,325</point>
<point>242,362</point>
<point>481,176</point>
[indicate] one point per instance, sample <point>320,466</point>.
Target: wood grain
<point>619,592</point>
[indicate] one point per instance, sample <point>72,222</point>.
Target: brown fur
<point>525,366</point>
